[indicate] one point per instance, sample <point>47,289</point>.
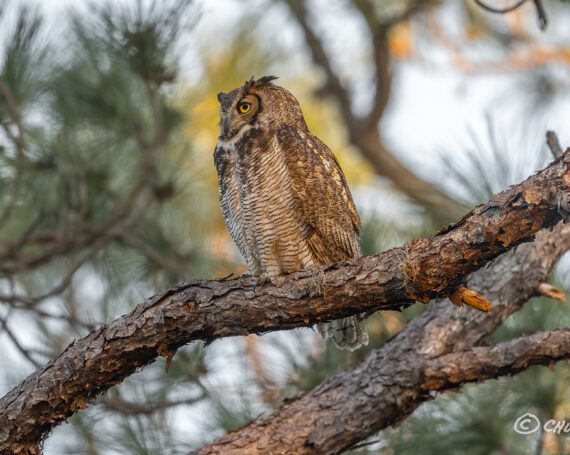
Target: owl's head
<point>258,103</point>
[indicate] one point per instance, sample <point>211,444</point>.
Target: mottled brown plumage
<point>282,192</point>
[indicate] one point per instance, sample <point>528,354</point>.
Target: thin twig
<point>19,143</point>
<point>47,315</point>
<point>127,408</point>
<point>162,261</point>
<point>540,11</point>
<point>508,9</point>
<point>550,291</point>
<point>60,287</point>
<point>17,344</point>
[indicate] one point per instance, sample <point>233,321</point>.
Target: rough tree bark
<point>440,336</point>
<point>206,310</point>
<point>433,352</point>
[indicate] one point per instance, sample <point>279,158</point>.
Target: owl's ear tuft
<point>265,80</point>
<point>247,85</point>
<point>221,96</point>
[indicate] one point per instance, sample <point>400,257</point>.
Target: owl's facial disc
<point>236,114</point>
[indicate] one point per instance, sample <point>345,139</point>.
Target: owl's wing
<point>322,196</point>
<point>229,196</point>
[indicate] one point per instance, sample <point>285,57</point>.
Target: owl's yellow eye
<point>244,107</point>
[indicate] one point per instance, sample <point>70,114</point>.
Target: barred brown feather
<point>282,192</point>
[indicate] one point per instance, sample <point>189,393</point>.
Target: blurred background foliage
<point>108,193</point>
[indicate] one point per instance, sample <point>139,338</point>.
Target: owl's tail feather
<point>347,333</point>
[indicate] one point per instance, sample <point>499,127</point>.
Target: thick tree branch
<point>350,406</point>
<point>511,357</point>
<point>206,310</point>
<point>388,386</point>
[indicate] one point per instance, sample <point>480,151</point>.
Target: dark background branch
<point>364,132</point>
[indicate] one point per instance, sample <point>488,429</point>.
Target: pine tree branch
<point>451,370</point>
<point>424,269</point>
<point>386,387</point>
<point>14,259</point>
<point>353,405</point>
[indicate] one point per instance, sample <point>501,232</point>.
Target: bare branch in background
<point>19,144</point>
<point>540,11</point>
<point>25,352</point>
<point>122,406</point>
<point>363,131</point>
<point>507,9</point>
<point>541,14</point>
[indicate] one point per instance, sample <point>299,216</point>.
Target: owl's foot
<point>347,333</point>
<point>316,285</point>
<point>264,278</point>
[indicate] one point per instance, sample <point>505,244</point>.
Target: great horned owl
<point>283,195</point>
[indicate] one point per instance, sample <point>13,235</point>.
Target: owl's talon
<point>264,278</point>
<point>316,285</point>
